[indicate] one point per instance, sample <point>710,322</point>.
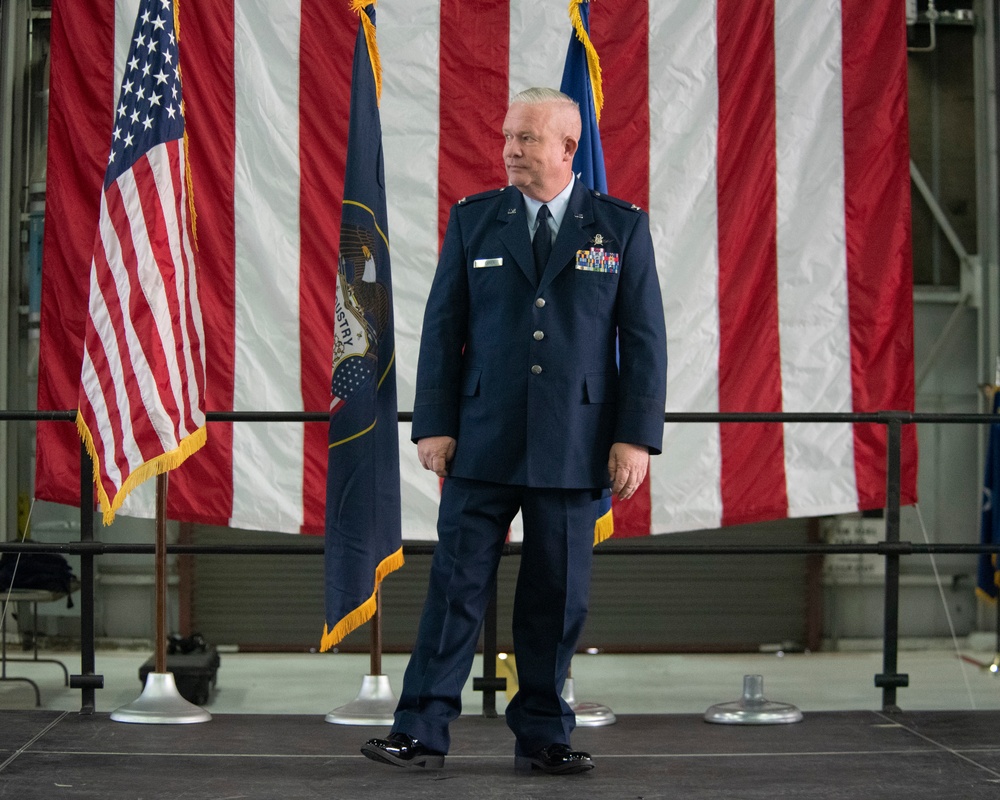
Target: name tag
<point>479,263</point>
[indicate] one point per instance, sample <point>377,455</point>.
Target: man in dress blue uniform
<point>541,384</point>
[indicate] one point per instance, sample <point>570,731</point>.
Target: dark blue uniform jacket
<point>525,375</point>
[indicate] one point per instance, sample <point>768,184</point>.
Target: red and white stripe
<point>158,404</point>
<point>142,378</point>
<point>767,140</point>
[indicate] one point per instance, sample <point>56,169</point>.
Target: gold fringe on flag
<point>981,593</point>
<point>189,182</point>
<point>593,62</point>
<point>162,463</point>
<point>187,154</point>
<point>366,610</point>
<point>358,6</point>
<point>604,528</point>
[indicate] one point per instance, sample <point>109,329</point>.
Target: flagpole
<point>160,702</point>
<point>160,573</point>
<point>582,81</point>
<point>376,649</point>
<point>994,667</point>
<point>367,541</point>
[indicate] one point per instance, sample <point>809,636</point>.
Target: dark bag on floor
<point>47,571</point>
<point>194,663</point>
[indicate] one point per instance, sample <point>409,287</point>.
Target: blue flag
<point>988,580</point>
<point>363,537</point>
<point>581,80</point>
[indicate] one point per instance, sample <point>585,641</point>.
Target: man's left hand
<point>627,466</point>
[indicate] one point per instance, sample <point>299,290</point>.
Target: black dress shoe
<point>555,759</point>
<point>402,750</point>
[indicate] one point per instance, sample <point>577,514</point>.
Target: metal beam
<point>13,43</point>
<point>987,188</point>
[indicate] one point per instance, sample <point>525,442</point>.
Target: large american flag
<point>768,140</point>
<point>142,381</point>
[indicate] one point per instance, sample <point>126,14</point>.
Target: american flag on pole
<point>767,140</point>
<point>142,383</point>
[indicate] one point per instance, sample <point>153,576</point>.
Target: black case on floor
<point>194,673</point>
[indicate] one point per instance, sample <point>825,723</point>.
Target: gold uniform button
<point>536,370</point>
<point>538,335</point>
<point>540,302</point>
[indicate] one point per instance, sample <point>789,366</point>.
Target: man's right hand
<point>435,453</point>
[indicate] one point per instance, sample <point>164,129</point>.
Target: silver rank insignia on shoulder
<point>462,201</point>
<point>635,207</point>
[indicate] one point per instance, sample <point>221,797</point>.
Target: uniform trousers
<point>550,607</point>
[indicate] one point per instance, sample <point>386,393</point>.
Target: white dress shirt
<point>557,209</point>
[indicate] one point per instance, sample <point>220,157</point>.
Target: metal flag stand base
<point>375,702</point>
<point>373,705</point>
<point>752,708</point>
<point>590,715</point>
<point>160,703</point>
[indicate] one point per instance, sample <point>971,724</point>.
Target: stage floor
<point>837,754</point>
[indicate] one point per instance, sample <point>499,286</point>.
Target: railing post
<point>86,681</point>
<point>889,679</point>
<point>490,684</point>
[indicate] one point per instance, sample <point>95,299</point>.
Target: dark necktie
<point>541,244</point>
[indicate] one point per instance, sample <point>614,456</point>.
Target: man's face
<point>538,155</point>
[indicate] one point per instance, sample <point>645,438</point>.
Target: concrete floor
<point>252,683</point>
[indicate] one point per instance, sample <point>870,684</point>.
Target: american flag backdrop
<point>142,381</point>
<point>768,140</point>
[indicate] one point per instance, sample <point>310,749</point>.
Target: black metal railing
<point>892,548</point>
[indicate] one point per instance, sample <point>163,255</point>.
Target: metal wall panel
<point>639,602</point>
